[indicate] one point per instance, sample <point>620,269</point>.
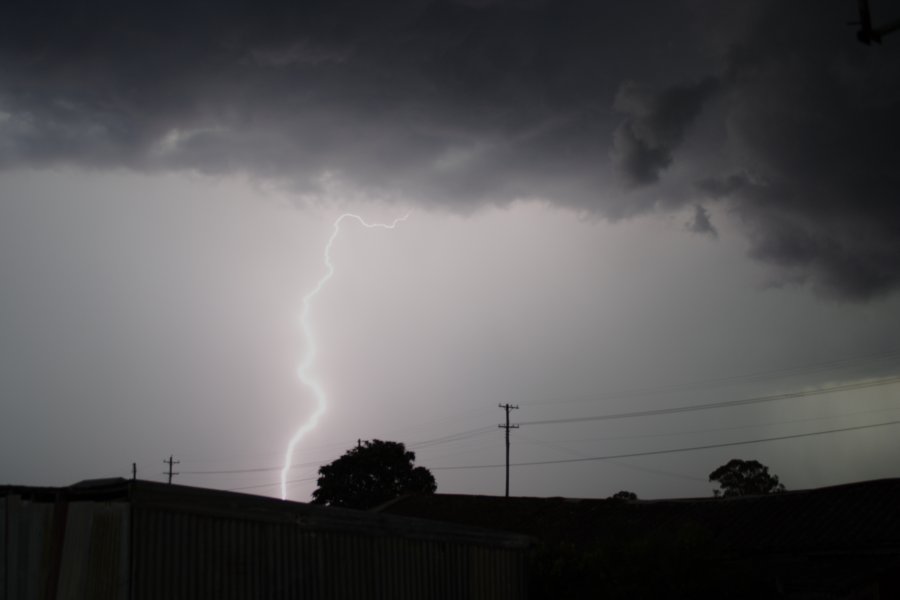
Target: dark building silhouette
<point>834,542</point>
<point>118,539</point>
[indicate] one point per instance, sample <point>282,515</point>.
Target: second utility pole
<point>507,427</point>
<point>171,462</point>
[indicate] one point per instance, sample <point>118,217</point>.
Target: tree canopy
<point>624,495</point>
<point>370,474</point>
<point>744,478</point>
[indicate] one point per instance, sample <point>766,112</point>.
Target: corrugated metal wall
<point>27,531</point>
<point>63,550</point>
<point>150,542</point>
<point>191,556</point>
<point>3,553</point>
<point>94,559</point>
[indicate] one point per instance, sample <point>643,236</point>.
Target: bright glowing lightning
<point>310,355</point>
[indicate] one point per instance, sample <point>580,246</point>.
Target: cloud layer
<point>610,109</point>
<point>812,128</point>
<point>655,126</point>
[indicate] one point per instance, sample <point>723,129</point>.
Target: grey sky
<point>604,197</point>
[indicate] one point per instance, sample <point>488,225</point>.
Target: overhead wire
<point>265,485</point>
<point>725,380</point>
<point>721,404</point>
<point>248,470</point>
<point>466,434</point>
<point>733,428</point>
<point>461,435</point>
<point>639,454</point>
<point>670,450</point>
<point>453,437</point>
<point>612,461</point>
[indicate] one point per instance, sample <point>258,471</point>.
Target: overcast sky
<point>613,207</point>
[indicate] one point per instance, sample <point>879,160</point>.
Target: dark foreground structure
<point>840,542</point>
<point>131,540</point>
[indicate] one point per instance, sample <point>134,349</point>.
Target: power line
<point>720,381</point>
<point>612,416</point>
<point>614,462</point>
<point>814,367</point>
<point>624,455</point>
<point>235,471</point>
<point>829,365</point>
<point>671,450</point>
<point>722,404</point>
<point>251,470</point>
<point>453,437</point>
<point>265,485</point>
<point>466,434</point>
<point>734,428</point>
<point>454,417</point>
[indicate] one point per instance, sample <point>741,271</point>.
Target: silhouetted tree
<point>624,495</point>
<point>371,473</point>
<point>744,478</point>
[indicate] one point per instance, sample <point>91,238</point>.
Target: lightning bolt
<point>303,370</point>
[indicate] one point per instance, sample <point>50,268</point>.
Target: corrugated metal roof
<point>146,495</point>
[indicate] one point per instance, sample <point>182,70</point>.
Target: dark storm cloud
<point>655,127</point>
<point>814,124</point>
<point>722,187</point>
<point>842,252</point>
<point>465,102</point>
<point>459,102</point>
<point>700,223</point>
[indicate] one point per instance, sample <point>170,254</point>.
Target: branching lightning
<point>303,370</point>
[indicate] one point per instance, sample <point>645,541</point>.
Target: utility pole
<point>507,427</point>
<point>133,471</point>
<point>171,462</point>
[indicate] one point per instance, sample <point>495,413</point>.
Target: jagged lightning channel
<point>303,370</point>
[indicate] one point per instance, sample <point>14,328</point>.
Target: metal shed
<point>135,540</point>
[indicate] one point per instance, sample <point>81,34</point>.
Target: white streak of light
<point>310,355</point>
